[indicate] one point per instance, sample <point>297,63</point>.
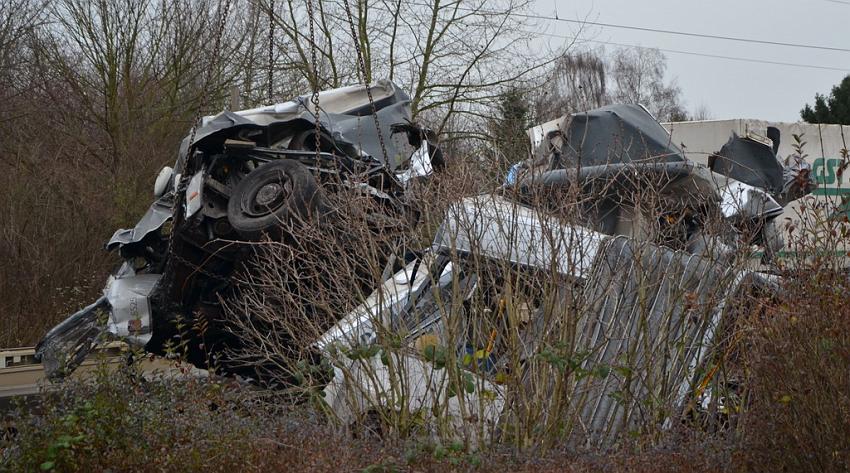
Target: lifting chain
<point>199,269</point>
<point>271,51</point>
<point>180,189</point>
<point>315,67</point>
<point>222,22</point>
<point>362,62</point>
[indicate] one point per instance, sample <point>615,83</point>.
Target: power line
<point>679,51</point>
<point>693,53</point>
<point>685,33</point>
<point>663,31</point>
<point>840,2</point>
<point>673,51</point>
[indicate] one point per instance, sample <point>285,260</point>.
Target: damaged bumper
<point>123,312</point>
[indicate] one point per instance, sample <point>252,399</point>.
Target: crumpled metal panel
<point>750,162</point>
<point>419,387</point>
<point>130,314</point>
<point>357,327</point>
<point>159,212</point>
<point>345,114</point>
<point>66,345</point>
<point>650,313</point>
<point>619,133</point>
<point>497,228</point>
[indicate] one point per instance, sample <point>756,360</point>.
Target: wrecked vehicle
<point>241,177</point>
<point>591,319</point>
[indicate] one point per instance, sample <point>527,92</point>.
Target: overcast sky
<point>730,89</point>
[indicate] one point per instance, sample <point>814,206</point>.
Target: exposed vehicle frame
<point>241,177</point>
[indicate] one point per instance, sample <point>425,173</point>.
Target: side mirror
<point>774,135</point>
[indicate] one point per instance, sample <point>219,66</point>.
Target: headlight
<point>162,181</point>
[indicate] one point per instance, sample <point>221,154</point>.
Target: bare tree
<point>137,64</point>
<point>18,20</point>
<point>578,81</point>
<point>590,79</point>
<point>702,112</point>
<point>452,56</point>
<point>96,97</point>
<point>638,75</point>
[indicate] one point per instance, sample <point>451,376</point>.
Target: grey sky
<point>730,89</point>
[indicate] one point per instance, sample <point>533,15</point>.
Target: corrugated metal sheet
<point>652,313</point>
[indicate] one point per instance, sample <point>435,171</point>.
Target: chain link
<point>222,22</point>
<point>199,269</point>
<point>315,67</point>
<point>271,51</point>
<point>180,187</point>
<point>362,62</point>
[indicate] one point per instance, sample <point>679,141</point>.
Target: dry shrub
<point>794,352</point>
<point>61,201</point>
<point>120,421</point>
<point>294,290</point>
<point>544,360</point>
<point>798,378</point>
<point>84,130</point>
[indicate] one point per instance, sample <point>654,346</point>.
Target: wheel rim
<point>267,197</point>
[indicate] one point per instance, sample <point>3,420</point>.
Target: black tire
<point>306,141</point>
<point>271,196</point>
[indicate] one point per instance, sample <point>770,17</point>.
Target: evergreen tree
<point>834,108</point>
<point>508,127</point>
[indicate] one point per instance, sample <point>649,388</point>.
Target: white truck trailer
<point>825,150</point>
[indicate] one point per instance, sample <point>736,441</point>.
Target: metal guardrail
<point>22,375</point>
<point>14,357</point>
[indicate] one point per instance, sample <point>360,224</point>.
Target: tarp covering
<point>616,133</point>
<point>750,162</point>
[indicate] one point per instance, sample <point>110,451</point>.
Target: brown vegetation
<point>118,422</point>
<point>85,128</point>
<point>798,349</point>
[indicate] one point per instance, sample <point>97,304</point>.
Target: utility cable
<point>693,53</point>
<point>651,30</point>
